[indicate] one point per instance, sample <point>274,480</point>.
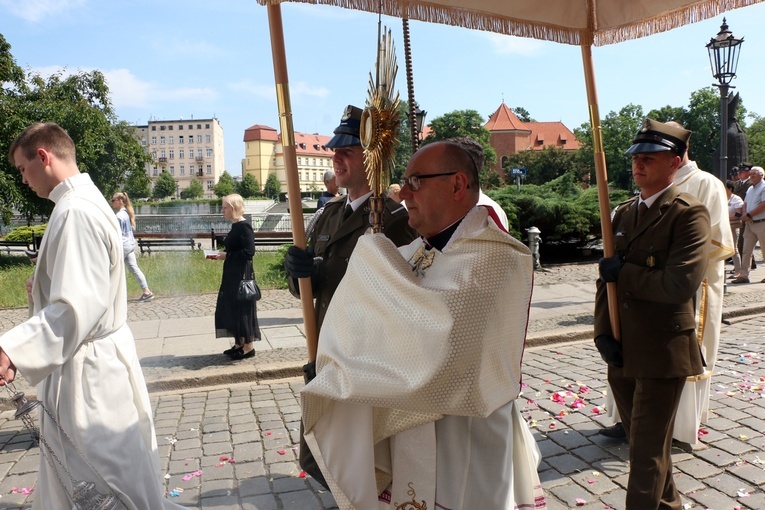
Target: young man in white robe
<point>419,362</point>
<point>694,402</point>
<point>76,346</point>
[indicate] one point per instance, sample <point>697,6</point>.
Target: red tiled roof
<point>504,119</point>
<point>260,132</point>
<point>311,145</point>
<point>551,134</point>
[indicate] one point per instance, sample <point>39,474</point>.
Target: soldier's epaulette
<point>685,198</point>
<point>626,202</point>
<point>338,198</point>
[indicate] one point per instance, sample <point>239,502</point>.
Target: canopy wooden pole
<point>291,169</point>
<point>602,178</point>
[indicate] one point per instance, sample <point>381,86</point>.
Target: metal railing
<point>203,223</point>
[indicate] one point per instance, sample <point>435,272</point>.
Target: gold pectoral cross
<point>422,259</point>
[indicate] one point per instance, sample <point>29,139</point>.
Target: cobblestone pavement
<point>236,447</point>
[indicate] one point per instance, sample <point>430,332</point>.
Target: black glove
<point>309,372</point>
<point>610,350</point>
<point>299,263</point>
<point>610,267</point>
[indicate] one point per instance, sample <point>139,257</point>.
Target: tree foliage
<point>273,187</point>
<point>137,184</point>
<point>106,148</point>
<point>755,135</point>
<point>225,186</point>
<point>560,208</point>
<point>194,190</point>
<point>248,187</point>
<point>522,114</point>
<point>165,186</point>
<point>467,123</point>
<point>541,166</point>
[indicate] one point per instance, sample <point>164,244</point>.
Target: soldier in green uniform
<point>662,242</point>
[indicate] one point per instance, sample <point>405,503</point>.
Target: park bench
<point>20,246</point>
<point>149,245</point>
<point>261,239</point>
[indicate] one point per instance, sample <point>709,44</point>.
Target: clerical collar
<point>439,240</point>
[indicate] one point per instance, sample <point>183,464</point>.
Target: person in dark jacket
<point>234,318</point>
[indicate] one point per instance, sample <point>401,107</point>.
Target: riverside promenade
<point>228,431</point>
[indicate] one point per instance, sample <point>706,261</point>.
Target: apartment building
<point>187,149</point>
<point>264,154</point>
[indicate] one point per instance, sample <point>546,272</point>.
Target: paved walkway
<point>228,430</point>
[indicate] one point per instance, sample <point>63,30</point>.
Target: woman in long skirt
<point>234,318</point>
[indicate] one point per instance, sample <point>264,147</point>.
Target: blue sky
<point>166,59</point>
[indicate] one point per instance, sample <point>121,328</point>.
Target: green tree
<point>165,186</point>
<point>618,131</point>
<point>273,187</point>
<point>138,184</point>
<point>522,114</point>
<point>404,148</point>
<point>755,135</point>
<point>106,148</point>
<point>194,190</point>
<point>467,123</point>
<point>225,186</point>
<point>248,187</point>
<point>541,166</point>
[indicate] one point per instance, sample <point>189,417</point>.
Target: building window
<point>170,128</point>
<point>199,126</point>
<point>161,128</point>
<point>207,138</point>
<point>180,154</point>
<point>153,128</point>
<point>172,170</point>
<point>209,153</point>
<point>180,127</point>
<point>180,139</point>
<point>313,161</point>
<point>209,185</point>
<point>191,153</point>
<point>199,138</point>
<point>300,162</point>
<point>162,153</point>
<point>200,170</point>
<point>170,140</point>
<point>143,142</point>
<point>199,153</point>
<point>172,154</point>
<point>162,140</point>
<point>183,169</point>
<point>154,140</point>
<point>207,126</point>
<point>191,126</point>
<point>155,171</point>
<point>209,169</point>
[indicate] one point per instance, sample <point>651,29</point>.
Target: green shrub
<point>25,233</point>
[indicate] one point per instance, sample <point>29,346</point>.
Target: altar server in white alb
<point>76,347</point>
<point>419,364</point>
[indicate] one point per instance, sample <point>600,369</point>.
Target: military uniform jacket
<point>665,258</point>
<point>334,240</point>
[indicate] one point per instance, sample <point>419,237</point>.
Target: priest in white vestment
<point>419,361</point>
<point>76,347</point>
<point>694,402</point>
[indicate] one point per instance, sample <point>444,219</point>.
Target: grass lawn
<point>168,274</point>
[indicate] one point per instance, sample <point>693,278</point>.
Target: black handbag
<point>248,287</point>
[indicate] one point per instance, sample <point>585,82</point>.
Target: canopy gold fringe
<point>495,22</point>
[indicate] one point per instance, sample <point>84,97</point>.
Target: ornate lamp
<point>723,51</point>
<point>419,118</point>
<point>84,495</point>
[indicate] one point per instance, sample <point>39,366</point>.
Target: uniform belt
<point>758,221</point>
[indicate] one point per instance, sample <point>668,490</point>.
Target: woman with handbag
<point>235,317</point>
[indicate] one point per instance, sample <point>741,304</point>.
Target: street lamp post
<point>723,58</point>
<point>419,122</point>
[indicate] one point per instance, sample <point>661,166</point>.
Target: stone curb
<point>281,370</point>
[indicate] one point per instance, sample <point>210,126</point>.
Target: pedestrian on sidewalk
<point>126,218</point>
<point>343,221</point>
<point>735,213</point>
<point>753,221</point>
<point>662,245</point>
<point>233,317</point>
<point>419,366</point>
<point>76,347</point>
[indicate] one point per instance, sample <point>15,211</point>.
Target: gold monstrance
<point>379,127</point>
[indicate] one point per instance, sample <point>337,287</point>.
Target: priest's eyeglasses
<point>414,181</point>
